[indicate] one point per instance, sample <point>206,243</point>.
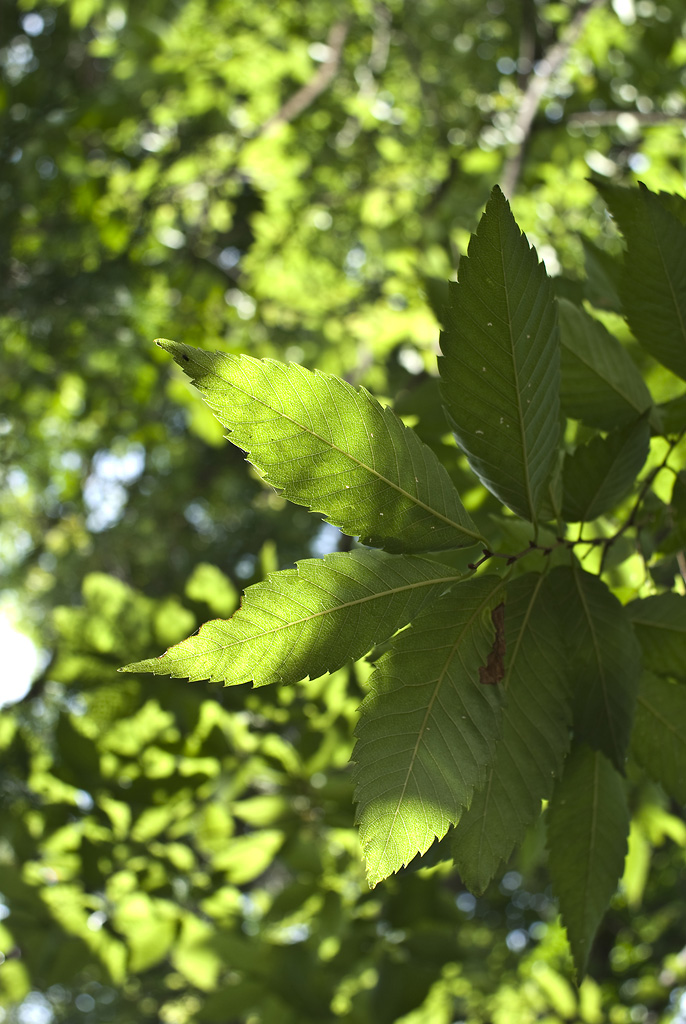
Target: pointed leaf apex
<point>195,362</point>
<point>140,666</point>
<point>174,348</point>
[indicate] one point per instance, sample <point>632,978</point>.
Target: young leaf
<point>501,364</point>
<point>334,449</point>
<point>588,826</point>
<point>654,279</point>
<point>601,384</point>
<point>660,625</point>
<point>604,662</point>
<point>427,729</point>
<point>659,738</point>
<point>599,474</point>
<point>308,620</point>
<point>535,734</point>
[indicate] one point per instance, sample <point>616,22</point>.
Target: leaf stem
<point>605,542</point>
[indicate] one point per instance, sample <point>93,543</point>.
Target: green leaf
<point>150,926</point>
<point>604,662</point>
<point>209,585</point>
<point>427,728</point>
<point>308,620</point>
<point>599,474</point>
<point>659,738</point>
<point>674,204</point>
<point>246,857</point>
<point>501,363</point>
<point>601,384</point>
<point>588,826</point>
<point>535,734</point>
<point>660,625</point>
<point>603,274</point>
<point>673,414</point>
<point>654,279</point>
<point>671,527</point>
<point>334,449</point>
<point>437,294</point>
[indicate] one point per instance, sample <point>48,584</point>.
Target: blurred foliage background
<point>285,180</point>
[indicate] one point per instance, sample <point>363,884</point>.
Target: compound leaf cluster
<point>524,676</point>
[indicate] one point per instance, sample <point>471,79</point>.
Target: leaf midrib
<point>665,722</point>
<point>612,384</point>
<point>487,789</point>
<point>668,277</point>
<point>377,595</point>
<point>599,660</point>
<point>363,465</point>
<point>605,484</point>
<point>658,624</point>
<point>587,908</point>
<point>434,696</point>
<point>522,432</point>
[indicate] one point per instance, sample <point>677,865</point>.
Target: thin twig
<point>308,93</point>
<point>552,61</point>
<point>592,542</point>
<point>612,117</point>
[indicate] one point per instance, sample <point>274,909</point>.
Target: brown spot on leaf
<point>494,669</point>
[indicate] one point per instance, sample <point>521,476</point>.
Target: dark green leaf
<point>673,415</point>
<point>654,279</point>
<point>535,734</point>
<point>674,518</point>
<point>599,474</point>
<point>601,384</point>
<point>604,662</point>
<point>588,825</point>
<point>674,204</point>
<point>659,737</point>
<point>501,364</point>
<point>437,293</point>
<point>332,448</point>
<point>308,620</point>
<point>427,729</point>
<point>660,625</point>
<point>603,275</point>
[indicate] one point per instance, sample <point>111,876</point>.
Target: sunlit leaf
<point>246,857</point>
<point>150,927</point>
<point>308,620</point>
<point>332,448</point>
<point>427,729</point>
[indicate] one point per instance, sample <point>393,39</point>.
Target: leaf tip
<point>185,355</point>
<point>172,347</point>
<point>139,666</point>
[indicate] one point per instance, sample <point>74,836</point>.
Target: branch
<point>611,117</point>
<point>552,61</point>
<point>308,93</point>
